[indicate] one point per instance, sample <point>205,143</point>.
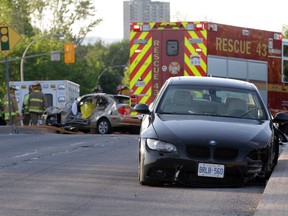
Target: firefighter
<point>98,89</point>
<point>37,103</point>
<point>25,108</point>
<point>15,115</point>
<point>2,121</point>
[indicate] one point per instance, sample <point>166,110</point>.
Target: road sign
<point>8,39</point>
<point>69,53</point>
<point>55,55</point>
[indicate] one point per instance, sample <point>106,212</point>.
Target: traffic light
<point>69,53</point>
<point>4,38</point>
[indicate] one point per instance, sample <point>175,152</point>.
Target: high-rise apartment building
<point>144,11</point>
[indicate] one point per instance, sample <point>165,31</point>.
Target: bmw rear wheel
<point>103,126</point>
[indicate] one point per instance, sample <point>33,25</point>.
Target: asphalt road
<point>66,175</point>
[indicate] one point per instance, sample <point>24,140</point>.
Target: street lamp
<point>114,66</point>
<point>24,54</point>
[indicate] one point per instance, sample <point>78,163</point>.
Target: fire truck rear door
<point>167,55</point>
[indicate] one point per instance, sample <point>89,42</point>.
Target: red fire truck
<point>159,50</point>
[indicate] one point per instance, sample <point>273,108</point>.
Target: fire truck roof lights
<point>137,28</point>
<point>144,27</point>
<point>196,27</point>
<point>199,26</point>
<point>190,26</point>
<point>277,36</point>
<point>212,26</point>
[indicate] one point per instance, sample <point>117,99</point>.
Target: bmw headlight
<point>160,145</point>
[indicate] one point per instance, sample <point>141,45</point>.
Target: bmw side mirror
<point>281,118</point>
<point>142,108</point>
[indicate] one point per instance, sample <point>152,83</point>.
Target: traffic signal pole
<point>8,39</point>
<point>8,92</point>
<point>9,98</point>
<point>27,48</point>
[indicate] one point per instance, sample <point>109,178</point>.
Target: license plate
<point>211,170</point>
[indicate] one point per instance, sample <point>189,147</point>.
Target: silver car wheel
<point>103,126</point>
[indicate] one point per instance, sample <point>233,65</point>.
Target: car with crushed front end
<point>207,131</point>
<point>96,113</point>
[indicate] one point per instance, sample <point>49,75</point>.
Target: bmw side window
<point>172,48</point>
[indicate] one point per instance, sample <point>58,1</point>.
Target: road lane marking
<point>26,154</point>
<point>78,143</point>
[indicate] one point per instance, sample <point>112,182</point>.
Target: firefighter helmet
<point>13,87</point>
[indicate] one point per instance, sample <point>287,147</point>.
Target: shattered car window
<point>121,99</point>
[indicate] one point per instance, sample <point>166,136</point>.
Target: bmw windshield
<point>213,101</point>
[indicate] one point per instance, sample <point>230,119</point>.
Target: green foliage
<point>126,77</point>
<point>67,15</point>
<point>16,14</point>
<point>110,61</point>
<point>91,59</point>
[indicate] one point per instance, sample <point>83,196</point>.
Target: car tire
<point>269,166</point>
<point>103,126</point>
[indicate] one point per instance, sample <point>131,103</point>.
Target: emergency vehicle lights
<point>138,28</point>
<point>198,50</point>
<point>133,100</point>
<point>190,26</point>
<point>277,36</point>
<point>146,27</point>
<point>199,26</point>
<point>212,27</point>
<point>137,51</point>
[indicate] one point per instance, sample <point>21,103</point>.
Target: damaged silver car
<point>97,113</point>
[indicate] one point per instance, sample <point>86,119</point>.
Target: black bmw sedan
<point>204,131</point>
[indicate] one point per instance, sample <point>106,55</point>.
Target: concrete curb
<point>274,200</point>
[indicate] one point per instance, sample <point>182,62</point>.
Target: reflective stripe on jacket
<point>14,106</point>
<point>37,102</point>
<point>25,108</point>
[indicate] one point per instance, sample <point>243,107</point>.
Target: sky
<point>260,14</point>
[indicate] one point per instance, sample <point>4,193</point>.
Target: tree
<point>66,17</point>
<point>109,61</point>
<point>16,14</point>
<point>285,31</point>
